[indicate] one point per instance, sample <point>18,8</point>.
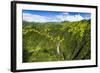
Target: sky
<point>53,16</point>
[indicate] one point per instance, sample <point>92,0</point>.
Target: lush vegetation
<point>56,41</point>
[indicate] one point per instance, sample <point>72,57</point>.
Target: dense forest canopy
<point>56,41</point>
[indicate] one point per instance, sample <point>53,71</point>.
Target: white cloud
<point>65,13</point>
<point>70,17</point>
<point>37,18</point>
<point>87,18</point>
<point>58,18</point>
<point>74,18</point>
<point>33,17</point>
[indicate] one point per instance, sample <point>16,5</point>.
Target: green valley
<point>56,41</point>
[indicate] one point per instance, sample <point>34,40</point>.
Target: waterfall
<point>58,47</point>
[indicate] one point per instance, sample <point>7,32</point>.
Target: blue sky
<point>53,16</point>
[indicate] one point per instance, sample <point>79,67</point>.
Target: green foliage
<point>42,40</point>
